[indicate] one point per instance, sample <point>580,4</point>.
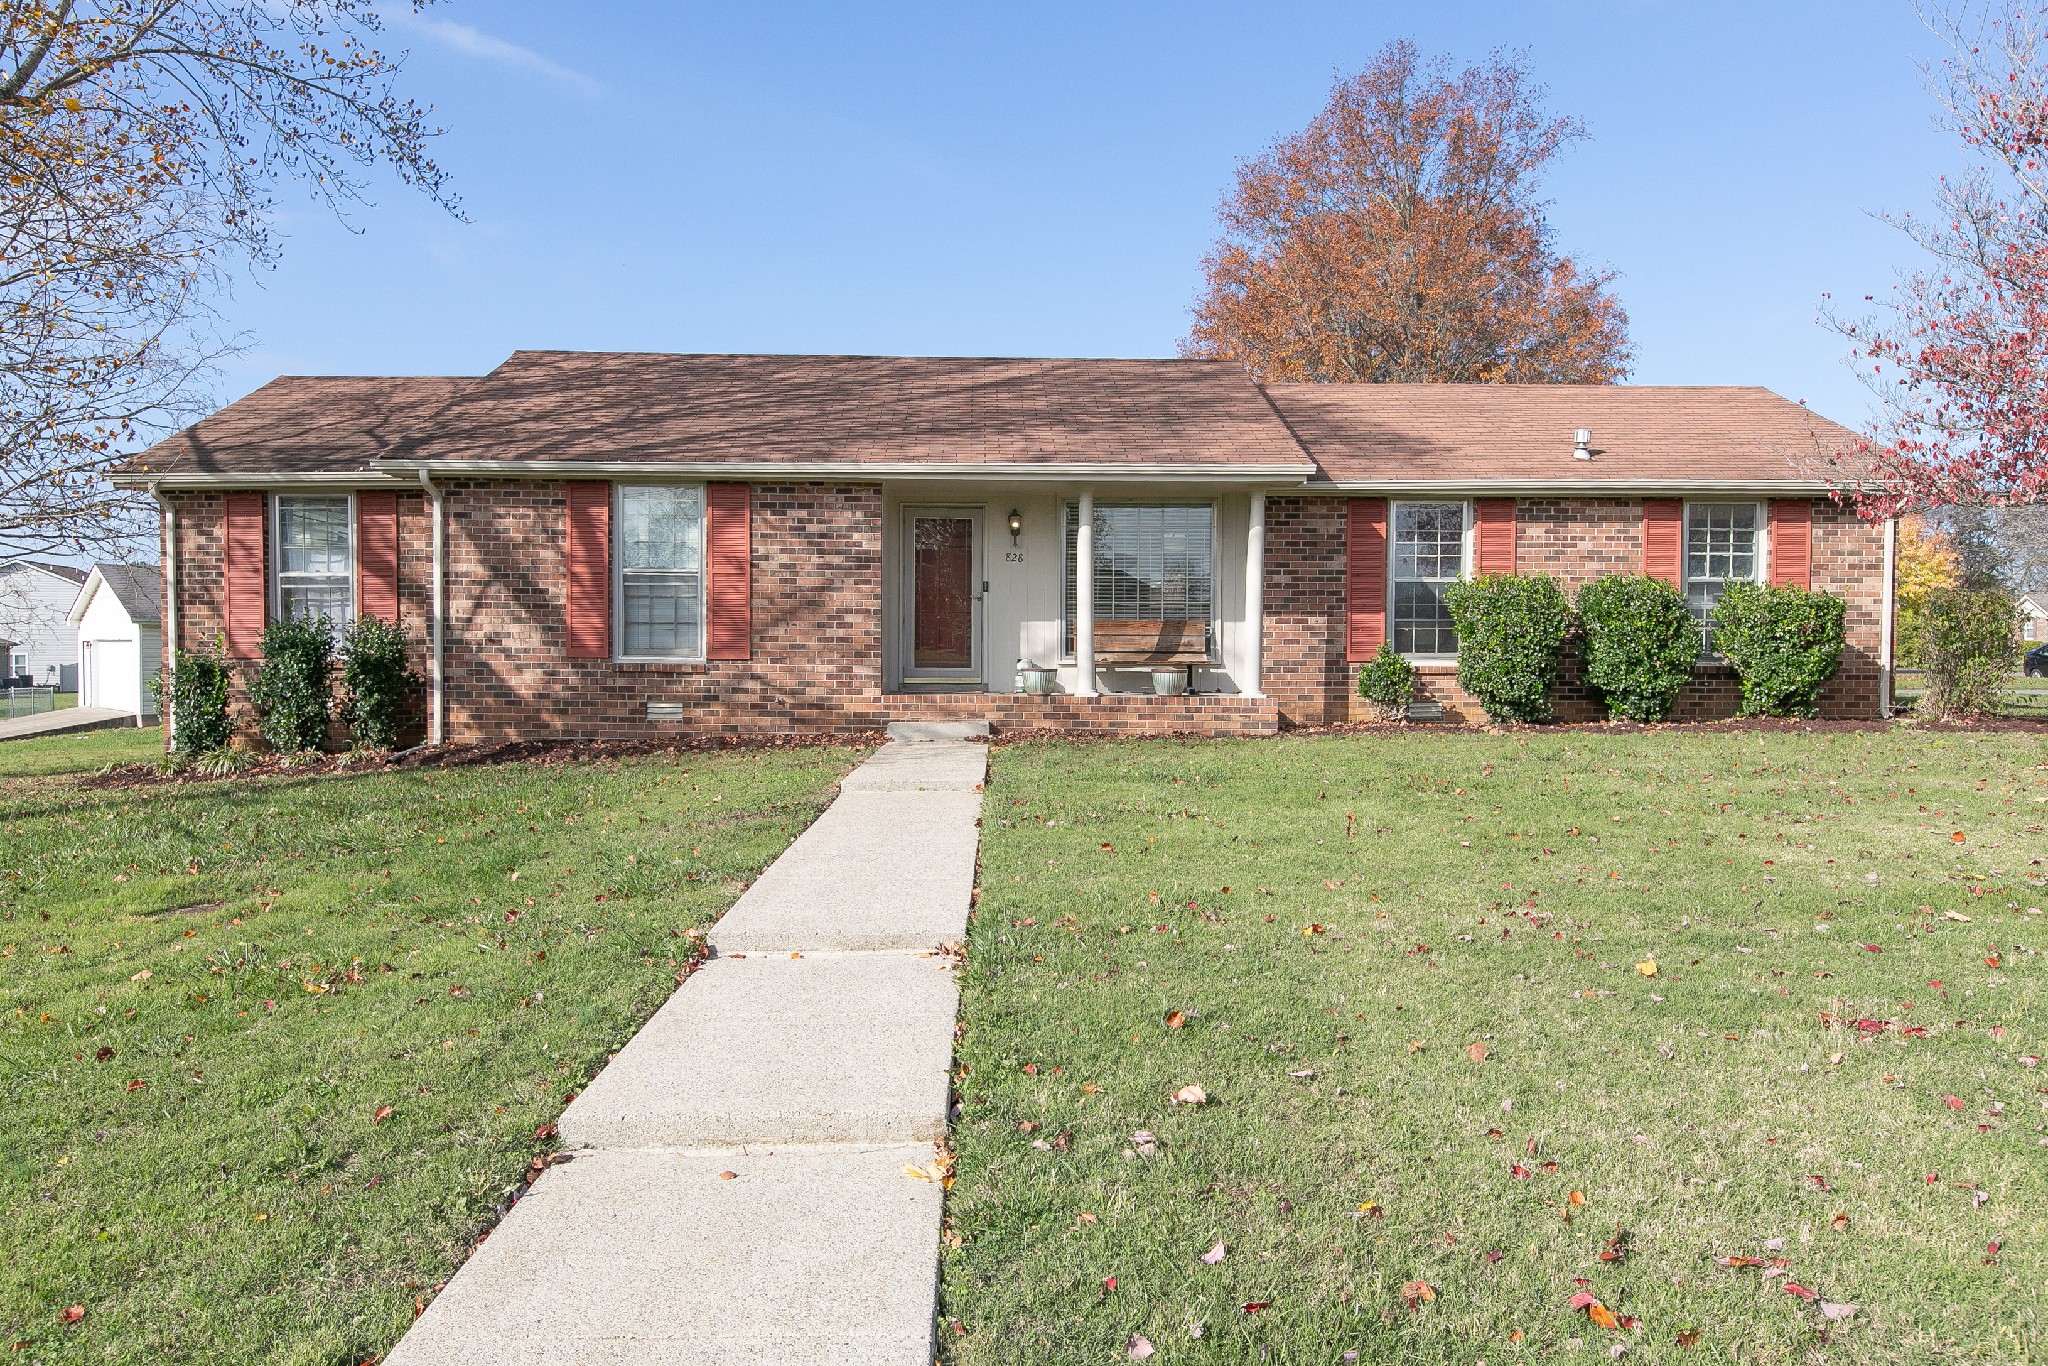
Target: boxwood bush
<point>1785,644</point>
<point>196,691</point>
<point>1511,637</point>
<point>1387,682</point>
<point>1639,642</point>
<point>378,682</point>
<point>291,685</point>
<point>1968,641</point>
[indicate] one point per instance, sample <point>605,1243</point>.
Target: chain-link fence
<point>30,701</point>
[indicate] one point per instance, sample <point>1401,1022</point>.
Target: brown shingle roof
<point>1373,433</point>
<point>883,410</point>
<point>303,424</point>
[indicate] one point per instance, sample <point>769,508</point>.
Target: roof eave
<point>1619,485</point>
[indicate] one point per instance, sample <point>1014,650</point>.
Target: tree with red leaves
<point>1400,237</point>
<point>1959,360</point>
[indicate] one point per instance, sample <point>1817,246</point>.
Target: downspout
<point>1888,617</point>
<point>170,644</point>
<point>437,717</point>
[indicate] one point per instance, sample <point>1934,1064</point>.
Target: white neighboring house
<point>118,618</point>
<point>35,599</point>
<point>2034,616</point>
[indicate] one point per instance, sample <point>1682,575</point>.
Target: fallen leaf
<point>734,1176</point>
<point>1519,1172</point>
<point>1836,1313</point>
<point>1476,1051</point>
<point>384,1112</point>
<point>1174,1020</point>
<point>1254,1306</point>
<point>1418,1291</point>
<point>1371,1210</point>
<point>1648,967</point>
<point>1840,1222</point>
<point>142,976</point>
<point>1191,1095</point>
<point>1087,1218</point>
<point>1585,1299</point>
<point>1739,1262</point>
<point>1689,1338</point>
<point>1602,1316</point>
<point>1820,1182</point>
<point>1795,1288</point>
<point>1952,1102</point>
<point>1576,1198</point>
<point>1957,837</point>
<point>74,1313</point>
<point>1137,1347</point>
<point>1214,1254</point>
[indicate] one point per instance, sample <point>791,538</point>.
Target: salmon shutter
<point>1663,540</point>
<point>729,591</point>
<point>1792,542</point>
<point>243,608</point>
<point>1365,578</point>
<point>377,555</point>
<point>1495,549</point>
<point>589,597</point>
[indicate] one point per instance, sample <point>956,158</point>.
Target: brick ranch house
<point>623,545</point>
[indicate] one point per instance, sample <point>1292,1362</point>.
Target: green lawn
<point>272,1052</point>
<point>1336,922</point>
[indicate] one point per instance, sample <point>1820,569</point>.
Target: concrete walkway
<point>737,1192</point>
<point>64,719</point>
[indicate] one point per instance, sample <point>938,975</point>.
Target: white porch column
<point>1084,596</point>
<point>1255,599</point>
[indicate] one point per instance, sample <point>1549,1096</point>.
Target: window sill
<point>649,664</point>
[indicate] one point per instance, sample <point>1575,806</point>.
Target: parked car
<point>2037,661</point>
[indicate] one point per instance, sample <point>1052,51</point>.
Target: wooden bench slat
<point>1134,641</point>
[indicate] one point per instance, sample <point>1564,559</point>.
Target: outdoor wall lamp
<point>1016,525</point>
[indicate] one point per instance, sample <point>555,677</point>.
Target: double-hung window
<point>661,571</point>
<point>1152,561</point>
<point>1723,545</point>
<point>315,557</point>
<point>1429,552</point>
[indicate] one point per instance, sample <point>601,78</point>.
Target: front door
<point>942,597</point>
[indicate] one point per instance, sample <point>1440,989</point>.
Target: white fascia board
<point>866,471</point>
<point>266,479</point>
<point>93,583</point>
<point>1480,488</point>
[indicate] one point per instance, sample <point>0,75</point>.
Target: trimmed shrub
<point>1387,682</point>
<point>195,688</point>
<point>378,682</point>
<point>1968,642</point>
<point>291,685</point>
<point>1640,643</point>
<point>1785,644</point>
<point>1511,634</point>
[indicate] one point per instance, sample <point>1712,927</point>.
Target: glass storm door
<point>944,597</point>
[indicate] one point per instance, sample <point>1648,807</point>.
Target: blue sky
<point>1041,179</point>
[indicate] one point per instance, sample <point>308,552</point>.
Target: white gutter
<point>1618,487</point>
<point>170,553</point>
<point>437,716</point>
<point>1887,617</point>
<point>264,479</point>
<point>848,469</point>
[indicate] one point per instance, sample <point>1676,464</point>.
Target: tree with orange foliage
<point>1399,237</point>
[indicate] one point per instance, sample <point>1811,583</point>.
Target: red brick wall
<point>817,579</point>
<point>1575,539</point>
<point>817,664</point>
